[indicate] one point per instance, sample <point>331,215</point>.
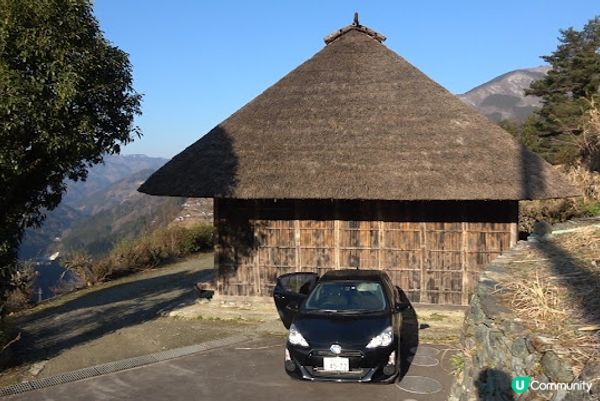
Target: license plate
<point>336,364</point>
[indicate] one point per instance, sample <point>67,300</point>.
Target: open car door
<point>291,289</point>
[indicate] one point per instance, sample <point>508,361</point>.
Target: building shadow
<point>578,277</point>
<point>533,182</point>
<point>572,274</point>
<point>568,269</point>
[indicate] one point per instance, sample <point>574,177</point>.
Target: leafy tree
<point>66,100</point>
<point>566,92</point>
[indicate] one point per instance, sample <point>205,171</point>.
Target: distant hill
<point>118,212</point>
<point>115,168</point>
<point>503,97</point>
<point>39,243</point>
<point>117,193</point>
<point>107,208</point>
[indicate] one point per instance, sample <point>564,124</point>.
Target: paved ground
<point>127,318</point>
<point>113,321</point>
<point>249,371</point>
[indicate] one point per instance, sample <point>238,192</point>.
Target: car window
<point>347,296</point>
<point>298,283</point>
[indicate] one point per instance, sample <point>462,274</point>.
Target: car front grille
<point>351,374</point>
<point>344,354</point>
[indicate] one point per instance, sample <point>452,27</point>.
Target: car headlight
<point>296,338</point>
<point>384,339</point>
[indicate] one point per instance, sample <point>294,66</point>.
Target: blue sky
<point>197,62</point>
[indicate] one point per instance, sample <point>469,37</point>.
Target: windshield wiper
<point>342,311</point>
<point>322,310</point>
<point>356,311</point>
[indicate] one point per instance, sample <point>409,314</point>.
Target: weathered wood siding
<point>432,250</point>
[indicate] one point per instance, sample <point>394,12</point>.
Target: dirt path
<point>113,321</point>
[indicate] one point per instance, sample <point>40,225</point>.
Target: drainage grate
<point>64,378</point>
<point>174,353</point>
<point>125,364</point>
<point>116,366</point>
<point>16,389</point>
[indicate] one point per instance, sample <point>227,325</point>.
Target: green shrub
<point>150,250</point>
<point>590,209</point>
<point>458,361</point>
<point>200,238</point>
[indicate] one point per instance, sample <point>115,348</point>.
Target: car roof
<point>354,274</point>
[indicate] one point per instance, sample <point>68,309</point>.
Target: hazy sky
<point>197,62</point>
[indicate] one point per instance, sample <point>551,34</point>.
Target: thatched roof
<point>357,121</point>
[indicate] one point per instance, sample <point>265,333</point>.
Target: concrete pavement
<point>251,370</point>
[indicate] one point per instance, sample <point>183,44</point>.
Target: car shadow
<point>409,335</point>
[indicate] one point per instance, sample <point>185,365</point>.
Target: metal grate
<point>125,364</point>
<point>64,378</point>
<point>16,389</point>
<point>116,366</point>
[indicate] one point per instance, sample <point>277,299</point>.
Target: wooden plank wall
<point>432,250</point>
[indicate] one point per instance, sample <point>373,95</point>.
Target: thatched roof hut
<point>357,121</point>
<point>357,159</point>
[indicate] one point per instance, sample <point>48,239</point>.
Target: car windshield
<point>346,296</point>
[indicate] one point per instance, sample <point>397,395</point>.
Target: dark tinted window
<point>347,296</point>
<point>299,283</point>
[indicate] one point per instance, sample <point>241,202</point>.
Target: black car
<point>343,326</point>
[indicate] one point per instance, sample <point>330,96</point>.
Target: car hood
<point>323,330</point>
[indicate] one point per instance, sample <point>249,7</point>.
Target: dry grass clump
<point>582,243</point>
<point>148,251</point>
<point>589,142</point>
<point>556,292</point>
<point>21,295</point>
<point>541,300</point>
<point>588,182</point>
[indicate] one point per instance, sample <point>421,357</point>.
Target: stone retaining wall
<point>499,347</point>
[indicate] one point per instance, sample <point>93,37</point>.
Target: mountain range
<point>106,208</point>
<point>503,98</point>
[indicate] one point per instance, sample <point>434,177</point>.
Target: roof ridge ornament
<point>356,26</point>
